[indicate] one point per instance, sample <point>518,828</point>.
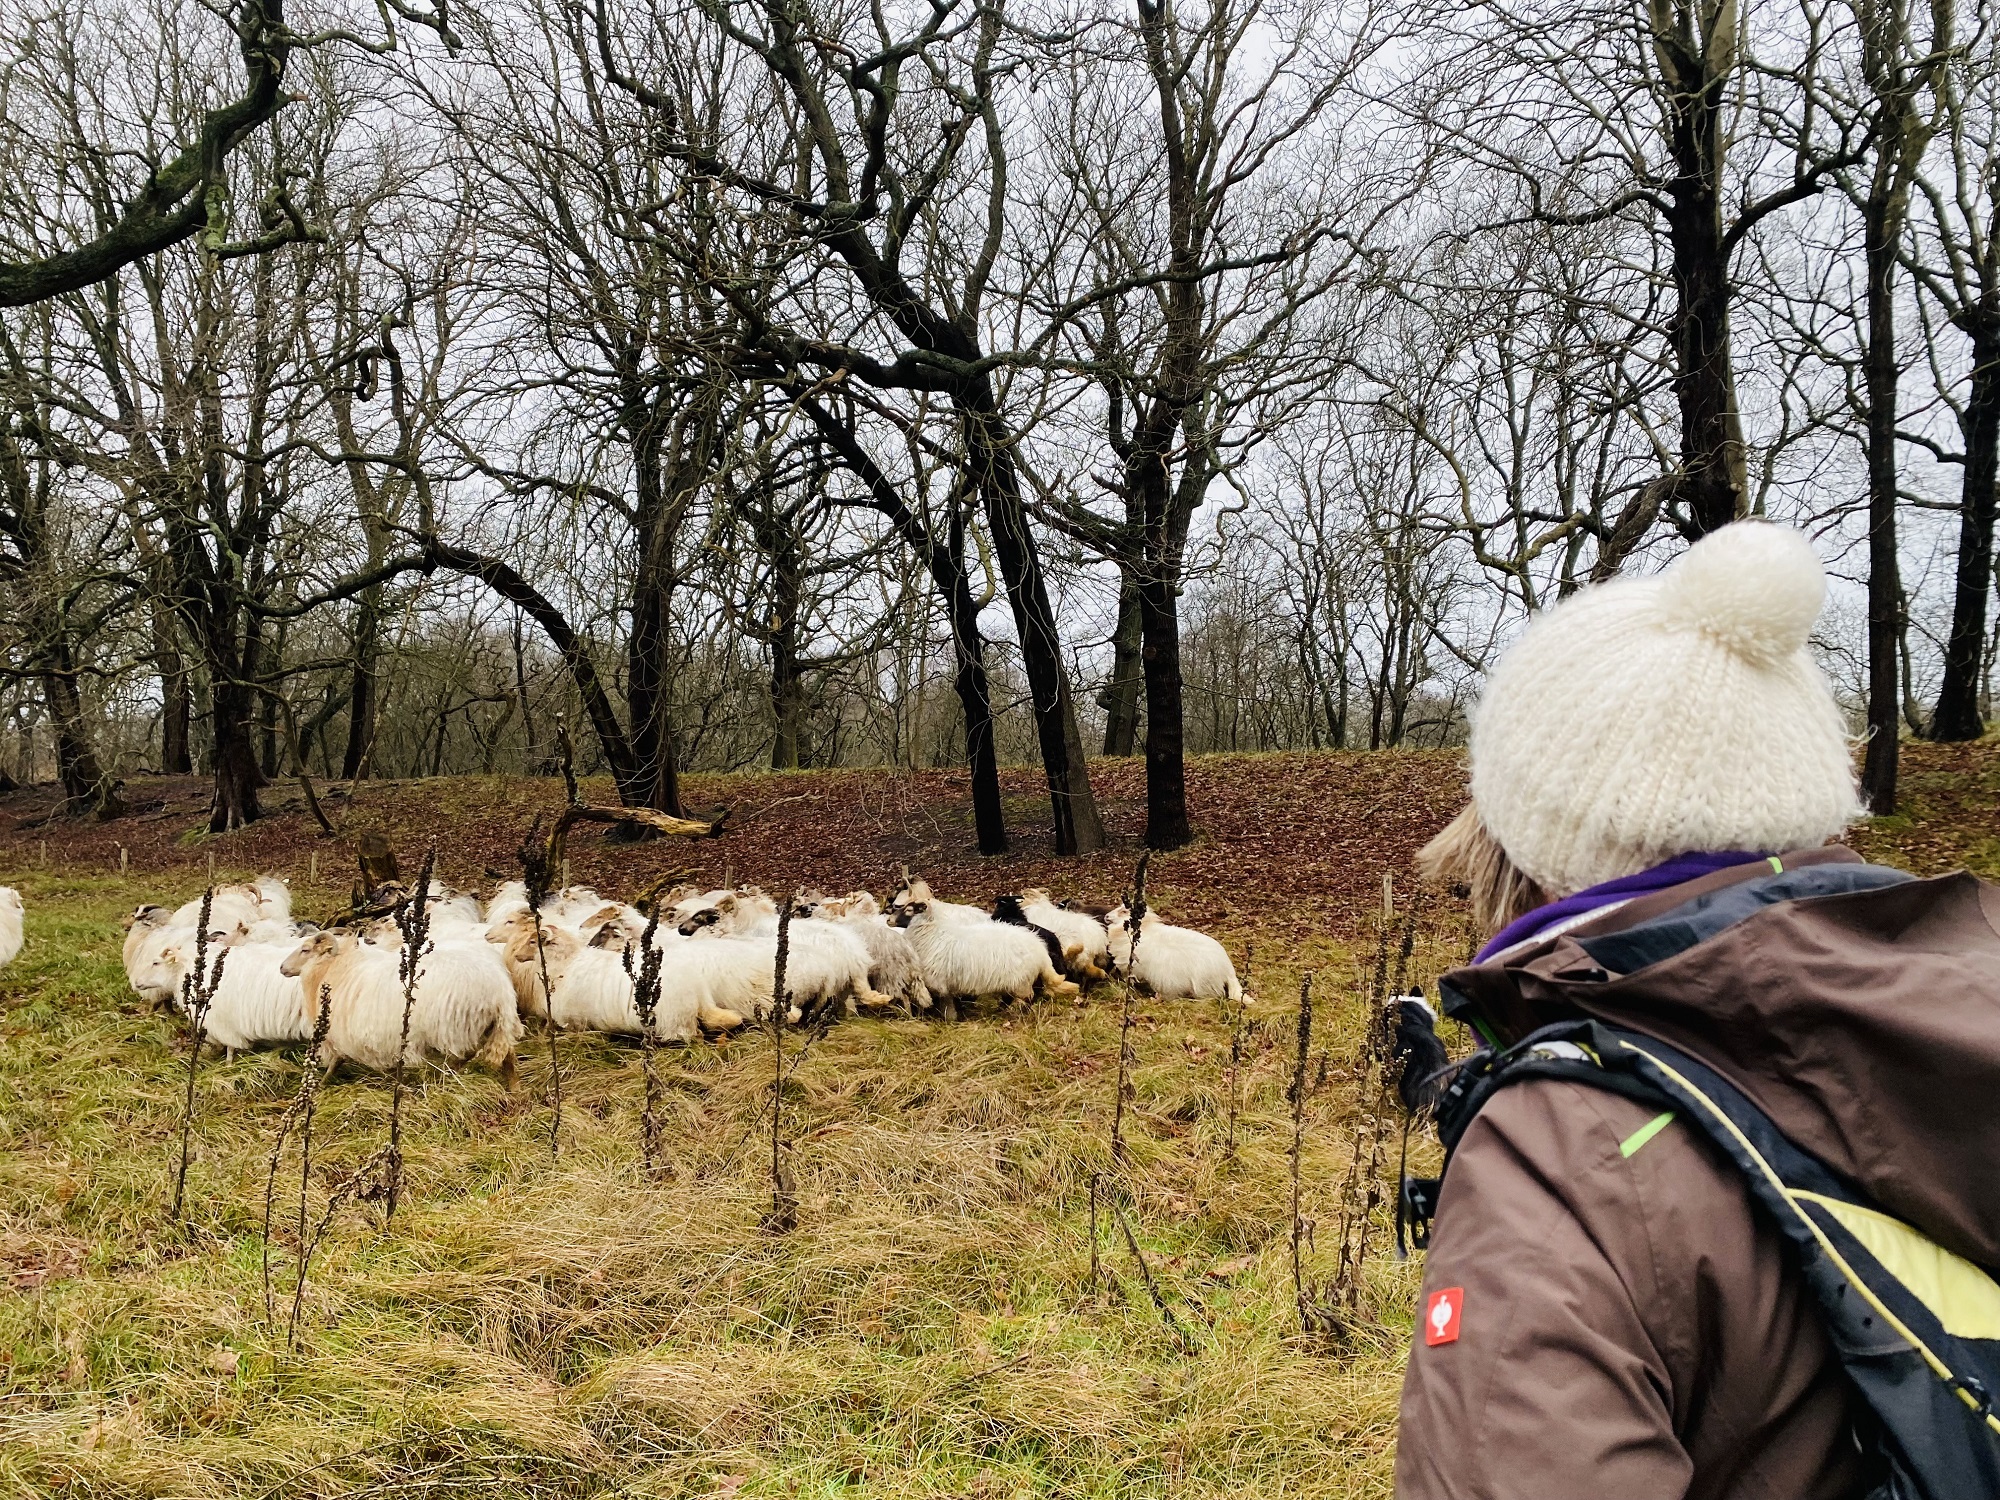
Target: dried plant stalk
<point>1152,1286</point>
<point>300,1113</point>
<point>198,987</point>
<point>1135,906</point>
<point>784,1215</point>
<point>535,867</point>
<point>414,918</point>
<point>645,975</point>
<point>367,1183</point>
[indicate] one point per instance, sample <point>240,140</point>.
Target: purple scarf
<point>1676,871</point>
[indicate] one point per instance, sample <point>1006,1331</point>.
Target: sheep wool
<point>11,924</point>
<point>1647,717</point>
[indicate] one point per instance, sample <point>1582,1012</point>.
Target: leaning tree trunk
<point>1885,589</point>
<point>1120,698</point>
<point>84,782</point>
<point>1957,716</point>
<point>945,562</point>
<point>1078,828</point>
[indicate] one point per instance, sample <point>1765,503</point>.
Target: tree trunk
<point>234,756</point>
<point>1885,590</point>
<point>176,696</point>
<point>1713,485</point>
<point>1078,828</point>
<point>655,775</point>
<point>361,700</point>
<point>655,778</point>
<point>787,702</point>
<point>974,689</point>
<point>1120,698</point>
<point>1166,774</point>
<point>1957,716</point>
<point>84,782</point>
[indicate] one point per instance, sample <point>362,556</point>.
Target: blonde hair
<point>1470,860</point>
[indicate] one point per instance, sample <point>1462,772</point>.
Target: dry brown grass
<point>575,1329</point>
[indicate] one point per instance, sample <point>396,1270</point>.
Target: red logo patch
<point>1441,1310</point>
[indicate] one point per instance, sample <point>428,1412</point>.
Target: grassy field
<point>541,1325</point>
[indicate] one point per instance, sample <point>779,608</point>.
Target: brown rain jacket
<point>1628,1327</point>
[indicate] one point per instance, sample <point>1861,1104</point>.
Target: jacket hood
<point>1858,1007</point>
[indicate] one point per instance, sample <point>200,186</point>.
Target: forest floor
<point>561,1325</point>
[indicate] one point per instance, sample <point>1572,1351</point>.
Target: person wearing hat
<point>1605,1313</point>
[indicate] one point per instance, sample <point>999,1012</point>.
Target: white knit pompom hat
<point>1680,713</point>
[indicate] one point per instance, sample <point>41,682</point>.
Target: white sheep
<point>463,1004</point>
<point>965,953</point>
<point>13,912</point>
<point>1175,963</point>
<point>729,973</point>
<point>255,1001</point>
<point>274,897</point>
<point>571,905</point>
<point>148,931</point>
<point>893,965</point>
<point>233,906</point>
<point>825,963</point>
<point>276,930</point>
<point>456,912</point>
<point>1086,947</point>
<point>508,901</point>
<point>590,988</point>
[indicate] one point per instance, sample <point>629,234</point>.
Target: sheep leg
<point>498,1055</point>
<point>1055,986</point>
<point>715,1018</point>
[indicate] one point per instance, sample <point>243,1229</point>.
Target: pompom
<point>1754,587</point>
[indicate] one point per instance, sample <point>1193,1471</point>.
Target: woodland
<point>713,385</point>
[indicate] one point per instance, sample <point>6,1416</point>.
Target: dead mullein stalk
<point>414,919</point>
<point>784,1215</point>
<point>1135,907</point>
<point>300,1113</point>
<point>534,857</point>
<point>644,972</point>
<point>198,987</point>
<point>1315,1314</point>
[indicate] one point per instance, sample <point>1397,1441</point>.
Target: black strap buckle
<point>1416,1211</point>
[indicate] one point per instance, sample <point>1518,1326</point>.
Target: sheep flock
<point>487,968</point>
